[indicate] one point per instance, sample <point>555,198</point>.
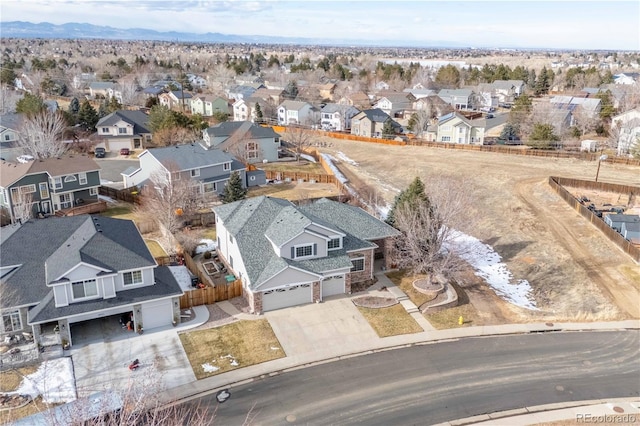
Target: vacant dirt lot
<point>575,272</point>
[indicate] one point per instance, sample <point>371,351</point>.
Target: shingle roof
<point>189,156</point>
<point>376,115</point>
<point>252,220</point>
<point>48,248</point>
<point>60,166</point>
<point>138,119</point>
<point>12,121</point>
<point>239,129</point>
<point>293,105</point>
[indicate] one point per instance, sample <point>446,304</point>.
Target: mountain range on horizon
<point>73,30</point>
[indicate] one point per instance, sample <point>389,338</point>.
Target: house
<point>370,123</point>
<point>175,99</point>
<point>207,105</point>
<point>616,221</point>
<point>272,96</point>
<point>336,117</point>
<point>627,128</point>
<point>508,90</point>
<point>631,231</point>
<point>207,169</point>
<point>359,100</point>
<point>457,98</point>
<point>296,112</point>
<point>241,91</point>
<point>48,185</point>
<point>124,129</point>
<point>420,92</point>
<point>153,91</point>
<point>289,255</point>
<point>591,106</point>
<point>456,128</point>
<point>245,140</point>
<point>64,271</point>
<point>394,103</point>
<point>196,81</point>
<point>245,109</point>
<point>104,89</point>
<point>10,125</point>
<point>381,85</point>
<point>434,104</point>
<point>629,78</point>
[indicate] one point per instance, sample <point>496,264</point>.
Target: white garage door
<point>285,297</point>
<point>116,146</point>
<point>333,285</point>
<point>157,314</point>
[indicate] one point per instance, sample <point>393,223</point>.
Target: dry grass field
<point>575,272</point>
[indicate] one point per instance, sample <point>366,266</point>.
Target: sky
<point>556,24</point>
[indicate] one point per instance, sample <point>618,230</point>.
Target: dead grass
<point>390,321</point>
<point>155,248</point>
<point>449,318</point>
<point>121,211</point>
<point>405,282</point>
<point>293,166</point>
<point>245,342</point>
<point>294,192</point>
<point>10,380</point>
<point>210,233</point>
<point>36,406</point>
<point>258,191</point>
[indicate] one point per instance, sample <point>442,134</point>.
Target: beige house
<point>455,128</point>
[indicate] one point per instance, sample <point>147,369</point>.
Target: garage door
<point>333,285</point>
<point>157,314</point>
<point>115,146</point>
<point>285,297</point>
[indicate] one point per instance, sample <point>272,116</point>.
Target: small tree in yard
<point>388,131</point>
<point>299,138</point>
<point>234,190</point>
<point>542,136</point>
<point>41,135</point>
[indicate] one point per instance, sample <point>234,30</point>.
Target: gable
<point>82,271</point>
<point>288,276</point>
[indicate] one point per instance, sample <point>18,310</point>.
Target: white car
<point>24,158</point>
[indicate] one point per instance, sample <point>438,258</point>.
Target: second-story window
<point>226,167</point>
<point>195,172</point>
<point>70,178</point>
<point>57,183</point>
<point>122,130</point>
<point>82,178</point>
<point>105,130</point>
<point>133,277</point>
<point>302,251</point>
<point>334,244</point>
<point>83,289</point>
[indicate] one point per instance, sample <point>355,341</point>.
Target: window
<point>122,130</point>
<point>303,251</point>
<point>226,167</point>
<point>209,187</point>
<point>230,238</point>
<point>7,137</point>
<point>133,277</point>
<point>276,140</point>
<point>93,191</point>
<point>105,130</point>
<point>83,289</point>
<point>82,178</point>
<point>44,190</point>
<point>28,189</point>
<point>175,176</point>
<point>446,138</point>
<point>195,172</point>
<point>11,321</point>
<point>334,244</point>
<point>357,264</point>
<point>70,178</point>
<point>57,183</point>
<point>252,150</point>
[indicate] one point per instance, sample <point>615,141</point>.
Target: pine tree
<point>87,116</point>
<point>259,115</point>
<point>387,130</point>
<point>74,106</point>
<point>411,196</point>
<point>234,190</point>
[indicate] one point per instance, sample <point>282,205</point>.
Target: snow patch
<point>308,158</point>
<point>343,157</point>
<point>329,160</point>
<point>105,181</point>
<point>54,380</point>
<point>208,368</point>
<point>182,276</point>
<point>488,265</point>
<point>206,245</point>
<point>107,199</point>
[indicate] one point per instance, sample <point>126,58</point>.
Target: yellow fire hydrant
<point>460,320</point>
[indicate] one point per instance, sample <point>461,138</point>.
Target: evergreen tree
<point>291,90</point>
<point>30,105</point>
<point>412,196</point>
<point>74,106</point>
<point>113,105</point>
<point>387,130</point>
<point>259,115</point>
<point>542,136</point>
<point>531,80</point>
<point>87,116</point>
<point>234,190</point>
<point>509,132</point>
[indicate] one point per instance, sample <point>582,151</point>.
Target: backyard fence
<point>556,183</point>
<point>209,295</point>
<point>120,194</point>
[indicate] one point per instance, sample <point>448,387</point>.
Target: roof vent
<point>99,230</point>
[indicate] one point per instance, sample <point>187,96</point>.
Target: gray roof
<point>376,115</point>
<point>12,121</point>
<point>252,220</point>
<point>138,119</point>
<point>242,129</point>
<point>63,242</point>
<point>101,85</point>
<point>190,156</point>
<point>619,218</point>
<point>331,108</point>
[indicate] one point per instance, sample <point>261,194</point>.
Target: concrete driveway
<point>320,328</point>
<point>102,362</point>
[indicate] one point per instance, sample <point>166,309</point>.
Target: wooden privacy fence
<point>300,176</point>
<point>120,194</point>
<point>209,295</point>
<point>611,233</point>
<point>599,186</point>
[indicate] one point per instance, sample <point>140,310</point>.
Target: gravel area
<point>374,301</point>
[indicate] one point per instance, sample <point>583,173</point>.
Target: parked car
<point>124,151</point>
<point>100,152</point>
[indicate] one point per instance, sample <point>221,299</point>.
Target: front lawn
<point>449,318</point>
<point>10,381</point>
<point>240,344</point>
<point>404,280</point>
<point>390,321</point>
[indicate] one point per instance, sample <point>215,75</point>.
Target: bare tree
<point>22,205</point>
<point>298,138</point>
<point>8,100</point>
<point>128,88</point>
<point>174,136</point>
<point>421,120</point>
<point>168,197</point>
<point>585,121</point>
<point>41,135</point>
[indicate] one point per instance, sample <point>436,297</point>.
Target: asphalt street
<point>110,169</point>
<point>440,382</point>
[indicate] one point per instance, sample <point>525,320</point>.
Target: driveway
<point>111,167</point>
<point>102,362</point>
<point>321,328</point>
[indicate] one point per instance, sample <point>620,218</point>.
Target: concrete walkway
<point>412,309</point>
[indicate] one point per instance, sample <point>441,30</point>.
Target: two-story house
<point>207,105</point>
<point>123,129</point>
<point>357,99</point>
<point>626,126</point>
<point>175,99</point>
<point>245,109</point>
<point>296,112</point>
<point>370,123</point>
<point>208,170</point>
<point>336,117</point>
<point>10,125</point>
<point>48,186</point>
<point>242,91</point>
<point>456,128</point>
<point>394,103</point>
<point>57,273</point>
<point>244,140</point>
<point>289,255</point>
<point>458,98</point>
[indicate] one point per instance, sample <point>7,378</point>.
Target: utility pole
<point>601,159</point>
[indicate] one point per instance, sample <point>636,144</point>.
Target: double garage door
<point>332,286</point>
<point>285,297</point>
<point>157,314</point>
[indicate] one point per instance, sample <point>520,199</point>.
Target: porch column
<point>137,317</point>
<point>176,310</point>
<point>65,333</point>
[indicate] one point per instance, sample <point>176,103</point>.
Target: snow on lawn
<point>182,276</point>
<point>107,199</point>
<point>343,157</point>
<point>329,159</point>
<point>206,245</point>
<point>308,158</point>
<point>208,368</point>
<point>53,380</point>
<point>488,265</point>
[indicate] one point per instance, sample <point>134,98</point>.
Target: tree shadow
<point>509,251</point>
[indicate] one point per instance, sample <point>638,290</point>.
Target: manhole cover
<point>618,409</point>
<point>290,418</point>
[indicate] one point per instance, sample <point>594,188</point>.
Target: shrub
<point>207,255</point>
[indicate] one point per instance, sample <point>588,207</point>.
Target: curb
<point>232,383</point>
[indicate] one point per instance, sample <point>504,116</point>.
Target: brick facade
<point>367,273</point>
<point>347,283</point>
<point>316,291</point>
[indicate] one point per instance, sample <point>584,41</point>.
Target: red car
<point>124,151</point>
